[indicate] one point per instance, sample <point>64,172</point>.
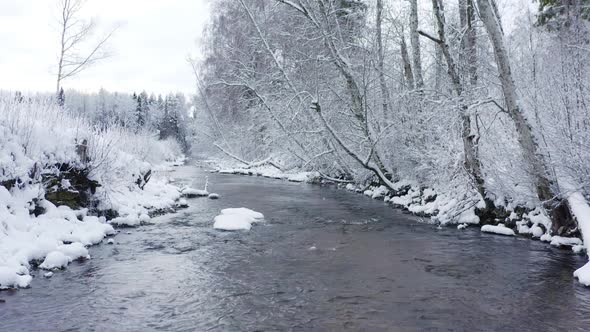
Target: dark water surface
<point>373,269</point>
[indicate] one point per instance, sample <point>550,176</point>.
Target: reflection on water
<point>326,260</point>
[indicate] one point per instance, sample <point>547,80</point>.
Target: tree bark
<point>380,59</point>
<point>530,147</point>
<point>471,161</point>
<point>415,42</point>
<point>409,76</point>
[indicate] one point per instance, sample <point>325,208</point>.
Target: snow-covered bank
<point>524,219</point>
<point>61,178</point>
<point>273,173</point>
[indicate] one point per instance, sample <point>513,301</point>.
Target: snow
<point>546,238</point>
<point>583,274</point>
<point>469,217</point>
<point>351,187</point>
<point>61,234</point>
<point>233,219</point>
<point>581,210</point>
<point>578,248</point>
<point>500,229</point>
<point>558,241</point>
<point>256,216</point>
<point>273,173</point>
<point>303,177</point>
<point>537,231</point>
<point>232,222</point>
<point>13,278</point>
<point>74,251</point>
<point>191,192</point>
<point>379,192</point>
<point>55,260</point>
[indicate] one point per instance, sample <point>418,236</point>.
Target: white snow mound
<point>232,222</point>
<point>234,219</point>
<point>257,216</point>
<point>55,260</point>
<point>500,229</point>
<point>583,274</point>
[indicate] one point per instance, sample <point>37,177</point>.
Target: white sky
<point>149,49</point>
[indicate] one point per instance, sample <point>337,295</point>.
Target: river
<point>325,260</point>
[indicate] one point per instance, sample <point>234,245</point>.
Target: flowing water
<point>326,260</point>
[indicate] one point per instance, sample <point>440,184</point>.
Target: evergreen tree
<point>61,97</point>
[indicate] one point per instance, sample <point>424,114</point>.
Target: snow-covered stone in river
<point>232,222</point>
<point>256,216</point>
<point>110,241</point>
<point>500,229</point>
<point>14,277</point>
<point>461,226</point>
<point>578,248</point>
<point>558,241</point>
<point>546,238</point>
<point>537,231</point>
<point>213,196</point>
<point>74,250</point>
<point>233,219</point>
<point>182,203</point>
<point>191,192</point>
<point>379,192</point>
<point>48,274</point>
<point>55,260</point>
<point>583,274</point>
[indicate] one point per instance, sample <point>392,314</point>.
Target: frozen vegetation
<point>486,128</point>
<point>64,183</point>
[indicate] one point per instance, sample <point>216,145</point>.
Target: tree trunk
<point>380,60</point>
<point>537,167</point>
<point>471,159</point>
<point>407,66</point>
<point>415,41</point>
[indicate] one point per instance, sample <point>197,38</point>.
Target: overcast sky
<point>149,49</point>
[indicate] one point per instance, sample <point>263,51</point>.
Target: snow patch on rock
<point>500,229</point>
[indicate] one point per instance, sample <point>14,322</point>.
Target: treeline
<point>168,116</point>
<point>440,93</point>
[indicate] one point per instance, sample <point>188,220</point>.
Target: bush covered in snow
<point>47,154</point>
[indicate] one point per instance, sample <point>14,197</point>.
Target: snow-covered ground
<point>272,172</point>
<point>41,141</point>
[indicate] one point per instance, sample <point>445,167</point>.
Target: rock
<point>70,186</point>
<point>182,203</point>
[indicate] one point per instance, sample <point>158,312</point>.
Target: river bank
<point>324,260</point>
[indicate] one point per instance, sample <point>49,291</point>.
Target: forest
<point>484,104</point>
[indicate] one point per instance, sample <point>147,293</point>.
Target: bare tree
<point>74,32</point>
<point>380,57</point>
<point>415,42</point>
<point>545,185</point>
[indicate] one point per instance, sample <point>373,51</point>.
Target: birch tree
<point>545,186</point>
<point>74,32</point>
